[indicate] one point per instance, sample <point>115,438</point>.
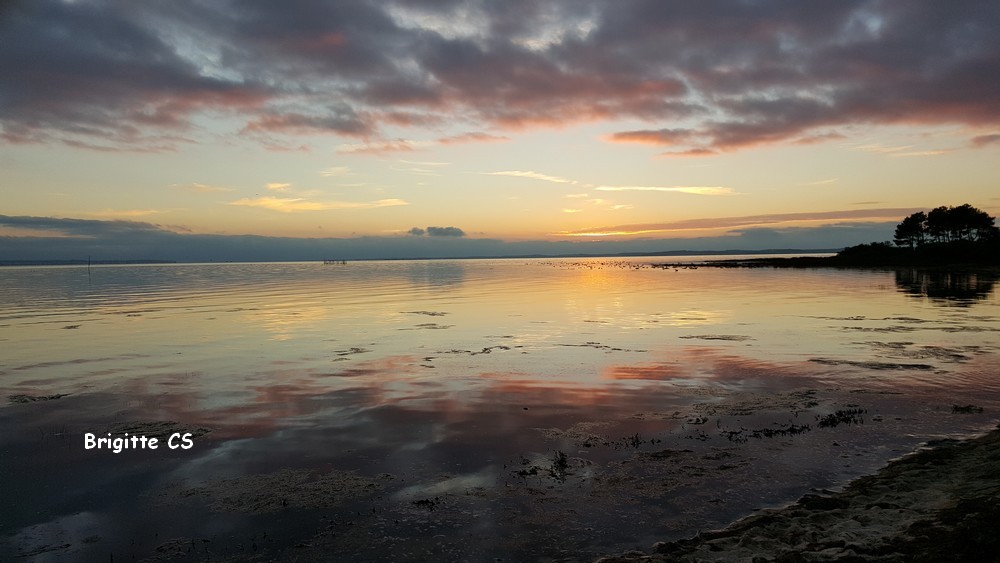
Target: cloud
<point>900,150</point>
<point>693,152</point>
<point>707,77</point>
<point>445,232</point>
<point>920,153</point>
<point>105,81</point>
<point>342,120</point>
<point>292,205</point>
<point>882,149</point>
<point>696,190</point>
<point>820,137</point>
<point>83,228</point>
<point>984,140</point>
<point>424,163</point>
<point>567,210</point>
<point>202,188</point>
<point>741,222</point>
<point>335,171</point>
<point>666,137</point>
<point>436,232</point>
<point>382,147</point>
<point>420,168</point>
<point>472,137</point>
<point>123,213</point>
<point>278,186</point>
<point>533,175</point>
<point>826,182</point>
<point>121,240</point>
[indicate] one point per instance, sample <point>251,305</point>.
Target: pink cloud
<point>696,151</point>
<point>986,140</point>
<point>706,78</point>
<point>883,214</point>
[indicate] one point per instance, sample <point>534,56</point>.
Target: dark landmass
<point>956,255</point>
<point>958,273</point>
<point>940,504</point>
<point>957,238</point>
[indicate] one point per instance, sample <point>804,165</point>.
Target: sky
<point>252,129</point>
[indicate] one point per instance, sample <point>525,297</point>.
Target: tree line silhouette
<point>944,225</point>
<point>954,240</point>
<point>944,236</point>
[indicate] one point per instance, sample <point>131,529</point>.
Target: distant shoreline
<point>806,262</point>
<point>737,252</point>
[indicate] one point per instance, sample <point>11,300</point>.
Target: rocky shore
<point>941,503</point>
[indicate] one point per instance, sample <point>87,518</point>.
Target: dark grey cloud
<point>87,74</point>
<point>711,75</point>
<point>90,228</point>
<point>778,71</point>
<point>437,232</point>
<point>127,240</point>
<point>445,232</point>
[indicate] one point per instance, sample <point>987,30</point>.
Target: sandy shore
<point>938,504</point>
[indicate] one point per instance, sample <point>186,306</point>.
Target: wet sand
<point>569,488</point>
<point>941,503</point>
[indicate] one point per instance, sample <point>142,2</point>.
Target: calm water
<point>462,410</point>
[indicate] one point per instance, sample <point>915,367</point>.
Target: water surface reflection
<point>961,289</point>
<point>553,410</point>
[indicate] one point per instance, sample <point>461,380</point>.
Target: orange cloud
<point>652,137</point>
<point>291,205</point>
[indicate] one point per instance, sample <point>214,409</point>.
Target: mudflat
<point>941,503</point>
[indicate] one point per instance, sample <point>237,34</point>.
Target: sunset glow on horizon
<point>485,128</point>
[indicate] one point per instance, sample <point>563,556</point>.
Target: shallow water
<point>407,410</point>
